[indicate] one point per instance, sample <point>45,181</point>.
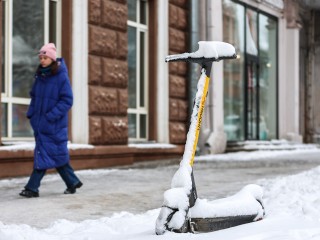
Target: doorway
<point>251,81</point>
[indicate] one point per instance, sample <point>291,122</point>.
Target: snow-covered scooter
<point>182,210</point>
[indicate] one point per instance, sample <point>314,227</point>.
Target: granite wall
<point>108,72</point>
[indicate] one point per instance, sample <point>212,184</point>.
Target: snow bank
<point>297,195</point>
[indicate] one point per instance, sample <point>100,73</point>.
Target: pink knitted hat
<point>49,50</point>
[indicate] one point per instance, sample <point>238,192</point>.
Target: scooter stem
<point>196,116</point>
<point>195,125</point>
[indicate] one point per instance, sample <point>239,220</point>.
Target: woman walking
<point>51,99</point>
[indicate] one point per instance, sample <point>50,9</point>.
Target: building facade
<point>129,105</point>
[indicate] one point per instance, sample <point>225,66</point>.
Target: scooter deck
<point>214,224</point>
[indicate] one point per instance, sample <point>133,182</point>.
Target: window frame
<point>7,92</point>
<point>138,111</point>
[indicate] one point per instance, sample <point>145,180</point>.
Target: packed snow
<point>292,206</point>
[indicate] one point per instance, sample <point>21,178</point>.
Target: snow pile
<point>242,203</point>
<point>297,195</point>
<point>212,50</point>
<point>292,212</point>
<point>117,227</point>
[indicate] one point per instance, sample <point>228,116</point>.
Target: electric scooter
<point>182,210</point>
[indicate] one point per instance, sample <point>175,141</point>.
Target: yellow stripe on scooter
<point>199,119</point>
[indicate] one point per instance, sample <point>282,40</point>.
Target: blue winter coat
<point>51,99</point>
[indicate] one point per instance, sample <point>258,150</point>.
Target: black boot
<point>73,189</point>
<point>28,193</point>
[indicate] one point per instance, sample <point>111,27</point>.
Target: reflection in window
<point>4,120</point>
<point>27,38</point>
<point>251,28</point>
<point>254,99</point>
<point>132,125</point>
<point>21,41</point>
<point>268,77</point>
<point>20,124</point>
<point>132,10</point>
<point>132,65</point>
<point>233,15</point>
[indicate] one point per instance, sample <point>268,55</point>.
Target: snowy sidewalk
<point>140,188</point>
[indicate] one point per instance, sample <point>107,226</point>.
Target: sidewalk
<point>140,187</point>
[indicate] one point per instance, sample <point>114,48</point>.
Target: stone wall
<point>108,72</point>
<point>178,43</point>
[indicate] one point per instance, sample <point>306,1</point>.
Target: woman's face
<point>45,61</point>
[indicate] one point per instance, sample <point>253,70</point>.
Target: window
<point>27,25</point>
<point>250,82</point>
<point>233,32</point>
<point>138,65</point>
<point>268,76</point>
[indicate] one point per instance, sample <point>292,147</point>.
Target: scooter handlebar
<point>209,51</point>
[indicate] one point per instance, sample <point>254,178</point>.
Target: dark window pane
<point>132,119</point>
<point>132,65</point>
<point>143,126</point>
<point>252,96</point>
<point>132,10</point>
<point>4,120</point>
<point>53,22</point>
<point>27,38</point>
<point>142,69</point>
<point>20,124</point>
<point>143,11</point>
<point>3,86</point>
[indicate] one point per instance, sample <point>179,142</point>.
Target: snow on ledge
<point>151,145</point>
<point>16,146</point>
